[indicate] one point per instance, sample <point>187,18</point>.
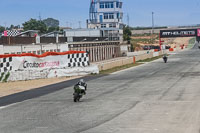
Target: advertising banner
<point>41,62</point>
<point>27,63</point>
<point>178,33</point>
<point>198,32</point>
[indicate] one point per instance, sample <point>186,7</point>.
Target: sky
<point>73,12</point>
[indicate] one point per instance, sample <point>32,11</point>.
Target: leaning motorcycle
<point>78,93</point>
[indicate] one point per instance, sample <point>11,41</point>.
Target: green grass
<point>150,59</point>
<point>191,42</point>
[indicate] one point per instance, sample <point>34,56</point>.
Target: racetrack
<point>152,98</point>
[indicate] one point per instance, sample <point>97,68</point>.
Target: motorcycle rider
<point>165,57</point>
<point>82,86</point>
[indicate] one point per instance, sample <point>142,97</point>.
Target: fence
<point>17,40</point>
<point>48,40</point>
<point>98,51</point>
<point>30,40</point>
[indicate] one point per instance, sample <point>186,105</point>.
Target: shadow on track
<point>37,92</point>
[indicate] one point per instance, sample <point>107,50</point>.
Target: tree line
<point>44,26</point>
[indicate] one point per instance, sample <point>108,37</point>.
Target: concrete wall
<point>115,62</point>
<point>144,56</point>
<point>145,31</point>
<point>127,60</point>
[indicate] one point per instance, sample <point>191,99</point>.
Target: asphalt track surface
<point>152,98</point>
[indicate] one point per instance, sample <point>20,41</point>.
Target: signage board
<point>179,33</point>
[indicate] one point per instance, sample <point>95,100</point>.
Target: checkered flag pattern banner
<point>78,60</point>
<point>5,64</point>
<point>10,33</point>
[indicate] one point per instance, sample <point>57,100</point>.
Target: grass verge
<point>191,42</point>
<point>150,59</point>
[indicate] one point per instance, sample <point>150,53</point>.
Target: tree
<point>51,29</point>
<point>11,27</point>
<point>34,24</point>
<point>17,27</point>
<point>2,29</point>
<point>50,22</point>
<point>127,33</point>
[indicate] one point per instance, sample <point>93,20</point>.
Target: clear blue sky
<point>69,12</point>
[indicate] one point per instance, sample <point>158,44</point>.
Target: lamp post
<point>152,32</point>
<point>152,22</point>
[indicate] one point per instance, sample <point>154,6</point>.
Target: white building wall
<point>33,48</point>
<point>83,33</point>
<point>1,49</point>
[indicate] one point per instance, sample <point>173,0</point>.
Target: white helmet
<point>81,80</point>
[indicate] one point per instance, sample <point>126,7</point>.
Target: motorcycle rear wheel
<point>76,97</point>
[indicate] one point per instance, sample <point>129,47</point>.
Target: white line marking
<point>3,107</point>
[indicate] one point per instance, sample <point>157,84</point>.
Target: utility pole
<point>79,24</point>
<point>40,18</point>
<point>152,23</point>
<point>71,25</point>
<point>127,19</point>
<point>152,32</point>
<point>5,25</point>
<point>66,24</point>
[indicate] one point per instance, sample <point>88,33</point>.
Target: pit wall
<point>128,60</point>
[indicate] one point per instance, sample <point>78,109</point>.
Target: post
<point>21,49</point>
<point>152,32</point>
<point>160,41</point>
<point>41,49</point>
<point>152,23</point>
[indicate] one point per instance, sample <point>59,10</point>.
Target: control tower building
<point>107,16</point>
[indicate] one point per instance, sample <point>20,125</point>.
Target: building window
<point>121,26</point>
<point>119,5</point>
<point>101,4</point>
<point>111,15</point>
<point>118,15</point>
<point>112,25</point>
<point>108,15</point>
<point>106,5</point>
<point>111,5</point>
<point>103,25</point>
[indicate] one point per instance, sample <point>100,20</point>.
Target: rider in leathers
<point>82,86</point>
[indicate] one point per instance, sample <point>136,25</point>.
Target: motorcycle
<point>79,91</point>
<point>165,59</point>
